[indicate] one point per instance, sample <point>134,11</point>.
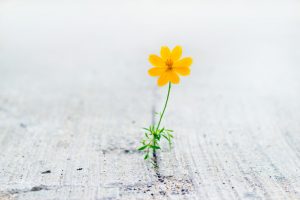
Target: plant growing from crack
<point>167,67</point>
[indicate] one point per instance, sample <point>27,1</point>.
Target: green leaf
<point>165,137</point>
<point>154,147</point>
<point>160,131</point>
<point>158,137</point>
<point>146,156</point>
<point>143,147</point>
<point>146,129</point>
<point>146,134</point>
<point>151,128</point>
<point>170,135</point>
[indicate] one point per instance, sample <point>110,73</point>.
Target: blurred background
<point>44,41</point>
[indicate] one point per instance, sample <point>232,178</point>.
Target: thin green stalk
<point>161,116</point>
<point>165,106</point>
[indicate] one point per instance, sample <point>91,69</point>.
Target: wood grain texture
<point>74,95</point>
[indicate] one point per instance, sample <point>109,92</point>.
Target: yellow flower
<point>169,66</point>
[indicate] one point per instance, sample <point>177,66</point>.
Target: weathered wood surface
<point>74,95</point>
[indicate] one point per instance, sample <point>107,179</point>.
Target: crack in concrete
<point>164,186</point>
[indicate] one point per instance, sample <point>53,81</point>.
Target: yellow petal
<point>165,52</point>
<point>156,61</point>
<point>173,77</point>
<point>176,53</point>
<point>156,71</point>
<point>185,62</point>
<point>183,71</point>
<point>163,79</point>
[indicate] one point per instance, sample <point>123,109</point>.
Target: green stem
<point>165,106</point>
<point>161,116</point>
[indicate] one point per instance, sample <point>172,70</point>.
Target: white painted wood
<point>74,94</point>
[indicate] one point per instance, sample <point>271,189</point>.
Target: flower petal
<point>165,52</point>
<point>156,61</point>
<point>156,71</point>
<point>163,79</point>
<point>176,53</point>
<point>183,71</point>
<point>185,62</point>
<point>173,77</point>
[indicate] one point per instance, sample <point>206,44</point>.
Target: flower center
<point>169,64</point>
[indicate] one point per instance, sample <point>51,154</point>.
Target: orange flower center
<point>169,64</point>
